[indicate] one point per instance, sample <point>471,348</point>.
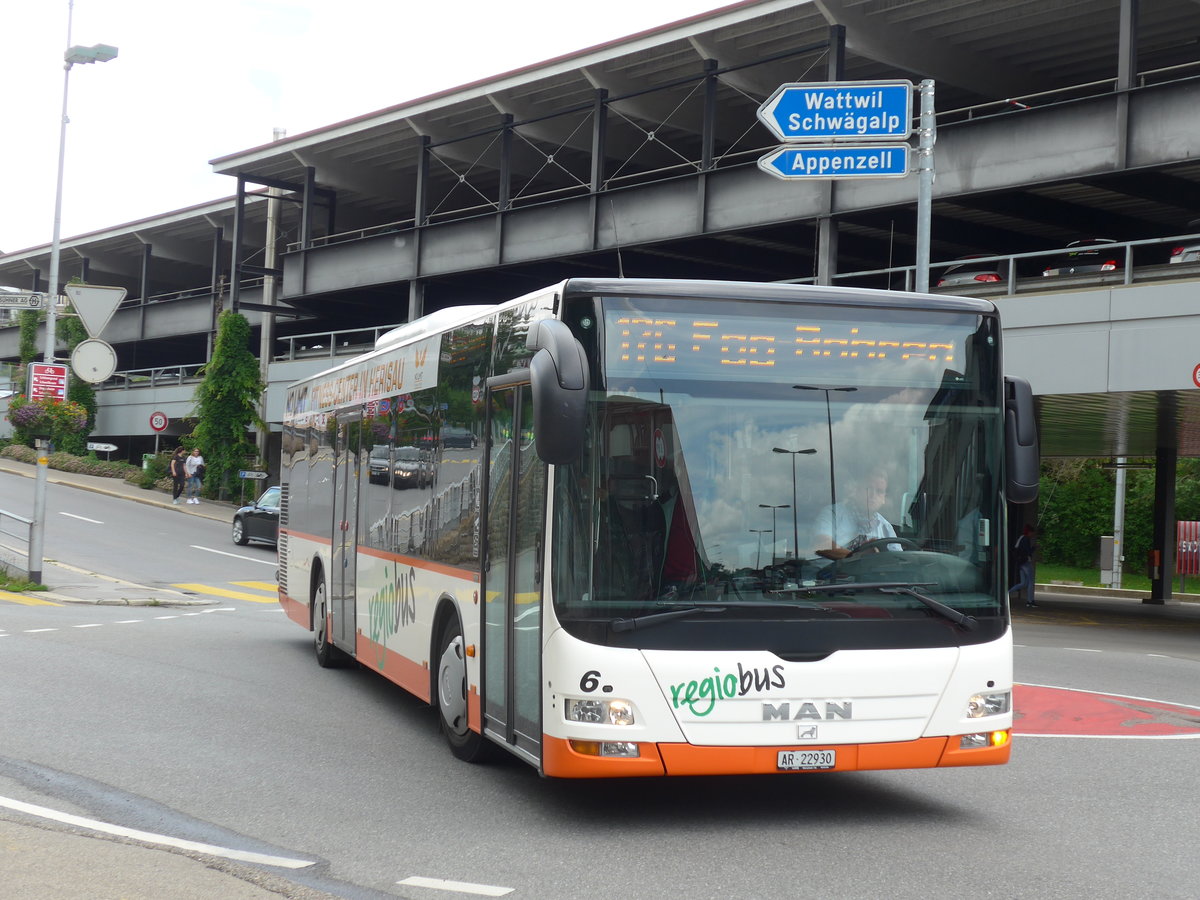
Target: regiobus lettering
<point>648,527</point>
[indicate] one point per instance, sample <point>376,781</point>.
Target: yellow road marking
<point>269,586</point>
<point>26,599</point>
<point>222,592</point>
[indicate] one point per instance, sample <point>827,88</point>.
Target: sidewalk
<point>70,584</point>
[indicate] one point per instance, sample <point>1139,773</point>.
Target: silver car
<point>1091,256</point>
<point>1189,252</point>
<point>968,273</point>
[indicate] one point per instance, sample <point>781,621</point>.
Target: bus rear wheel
<point>451,690</point>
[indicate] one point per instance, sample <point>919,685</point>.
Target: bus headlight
<point>600,712</point>
<point>993,703</point>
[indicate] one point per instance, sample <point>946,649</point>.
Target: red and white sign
<point>47,380</point>
<point>159,421</point>
<point>1196,376</point>
<point>1187,548</point>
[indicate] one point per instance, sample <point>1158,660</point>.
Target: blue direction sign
<point>879,161</point>
<point>840,110</point>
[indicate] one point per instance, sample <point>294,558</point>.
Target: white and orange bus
<point>590,525</point>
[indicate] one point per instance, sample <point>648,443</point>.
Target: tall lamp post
<point>73,55</point>
<point>772,507</point>
<point>795,525</point>
<point>829,427</point>
<point>760,532</point>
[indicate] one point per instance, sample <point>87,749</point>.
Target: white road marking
<point>128,621</point>
<point>81,518</point>
<point>92,625</point>
<point>166,617</point>
<point>264,562</point>
<point>152,838</point>
<point>1083,649</point>
<point>462,887</point>
<point>38,630</point>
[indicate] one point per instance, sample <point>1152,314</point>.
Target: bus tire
<point>328,656</point>
<point>451,688</point>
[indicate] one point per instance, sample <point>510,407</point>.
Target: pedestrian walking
<point>1023,557</point>
<point>176,469</point>
<point>195,475</point>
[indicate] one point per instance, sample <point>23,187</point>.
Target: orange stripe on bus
<point>426,565</point>
<point>559,760</point>
<point>296,611</point>
<point>410,675</point>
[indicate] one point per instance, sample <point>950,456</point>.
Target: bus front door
<point>342,580</point>
<point>512,581</point>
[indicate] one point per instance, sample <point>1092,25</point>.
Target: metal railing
<point>1021,273</point>
<point>19,528</point>
<point>159,376</point>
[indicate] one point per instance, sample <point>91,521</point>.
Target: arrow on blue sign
<point>840,110</point>
<point>880,161</point>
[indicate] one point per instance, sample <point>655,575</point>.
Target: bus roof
<point>774,291</point>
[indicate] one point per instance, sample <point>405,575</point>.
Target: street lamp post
<point>73,55</point>
<point>795,525</point>
<point>772,508</point>
<point>829,427</point>
<point>758,559</point>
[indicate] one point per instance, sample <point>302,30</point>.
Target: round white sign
<point>94,361</point>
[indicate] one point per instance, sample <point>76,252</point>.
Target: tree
<point>73,333</point>
<point>227,404</point>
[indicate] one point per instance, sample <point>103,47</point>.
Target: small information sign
<point>246,473</point>
<point>47,380</point>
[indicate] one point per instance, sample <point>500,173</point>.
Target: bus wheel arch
<point>448,690</point>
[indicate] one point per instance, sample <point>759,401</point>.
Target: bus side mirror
<point>559,376</point>
<point>1020,441</point>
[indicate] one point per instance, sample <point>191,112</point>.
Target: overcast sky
<point>194,81</point>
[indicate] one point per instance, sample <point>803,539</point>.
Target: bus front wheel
<point>452,696</point>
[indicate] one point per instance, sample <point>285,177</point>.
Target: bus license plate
<point>807,759</point>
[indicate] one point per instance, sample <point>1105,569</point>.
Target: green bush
<point>66,462</point>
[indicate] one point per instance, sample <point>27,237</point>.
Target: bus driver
<point>843,528</point>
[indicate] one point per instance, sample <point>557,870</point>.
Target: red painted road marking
<point>1059,711</point>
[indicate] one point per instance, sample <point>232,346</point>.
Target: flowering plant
<point>47,415</point>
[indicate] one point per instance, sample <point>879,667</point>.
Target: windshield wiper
<point>907,588</point>
<point>651,619</point>
<point>970,623</point>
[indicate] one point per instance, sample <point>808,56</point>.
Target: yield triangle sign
<point>95,304</point>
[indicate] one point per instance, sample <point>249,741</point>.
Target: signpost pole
<point>36,531</point>
<point>928,135</point>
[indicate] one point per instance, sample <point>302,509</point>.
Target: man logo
<point>808,709</point>
<point>808,734</point>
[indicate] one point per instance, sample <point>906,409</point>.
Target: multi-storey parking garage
<point>1056,123</point>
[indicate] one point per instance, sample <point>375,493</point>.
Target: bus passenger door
<point>512,578</point>
<point>344,554</point>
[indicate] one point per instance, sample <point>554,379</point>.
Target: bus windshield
<point>805,478</point>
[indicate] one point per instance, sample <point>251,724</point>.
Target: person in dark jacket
<point>175,468</point>
<point>1023,557</point>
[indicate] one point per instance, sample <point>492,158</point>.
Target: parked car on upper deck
<point>1190,251</point>
<point>1090,256</point>
<point>969,273</point>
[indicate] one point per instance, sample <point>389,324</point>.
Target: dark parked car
<point>378,463</point>
<point>458,437</point>
<point>412,468</point>
<point>1093,256</point>
<point>259,521</point>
